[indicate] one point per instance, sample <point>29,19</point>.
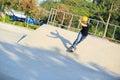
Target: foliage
<point>101,9</point>
<point>117,34</point>
<point>44,15</point>
<point>60,15</point>
<point>48,4</point>
<point>30,8</point>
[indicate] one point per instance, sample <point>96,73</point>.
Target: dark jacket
<point>85,30</point>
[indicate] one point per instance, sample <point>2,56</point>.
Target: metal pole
<point>52,15</point>
<point>96,27</point>
<point>106,27</point>
<point>113,36</point>
<point>63,18</point>
<point>55,16</point>
<point>49,15</point>
<point>70,21</point>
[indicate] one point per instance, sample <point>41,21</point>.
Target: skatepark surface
<point>41,55</point>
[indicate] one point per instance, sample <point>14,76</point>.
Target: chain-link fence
<point>70,21</point>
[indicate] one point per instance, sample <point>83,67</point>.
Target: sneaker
<point>71,49</point>
<point>75,48</point>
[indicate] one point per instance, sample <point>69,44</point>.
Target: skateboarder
<point>82,34</point>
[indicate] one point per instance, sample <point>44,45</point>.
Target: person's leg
<point>73,47</point>
<point>78,39</point>
<point>82,38</point>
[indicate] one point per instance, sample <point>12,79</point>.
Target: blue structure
<point>20,16</point>
<point>30,21</point>
<point>15,18</point>
<point>41,23</point>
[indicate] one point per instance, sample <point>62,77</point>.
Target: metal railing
<point>68,20</point>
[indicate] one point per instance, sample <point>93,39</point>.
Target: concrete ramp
<point>49,36</point>
<point>92,51</point>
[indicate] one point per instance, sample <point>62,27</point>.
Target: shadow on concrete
<point>22,38</point>
<point>27,63</point>
<point>6,77</point>
<point>63,40</point>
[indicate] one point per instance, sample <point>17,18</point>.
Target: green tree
<point>4,5</point>
<point>48,4</point>
<point>30,8</point>
<point>105,10</point>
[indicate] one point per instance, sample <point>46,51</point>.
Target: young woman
<point>82,34</point>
